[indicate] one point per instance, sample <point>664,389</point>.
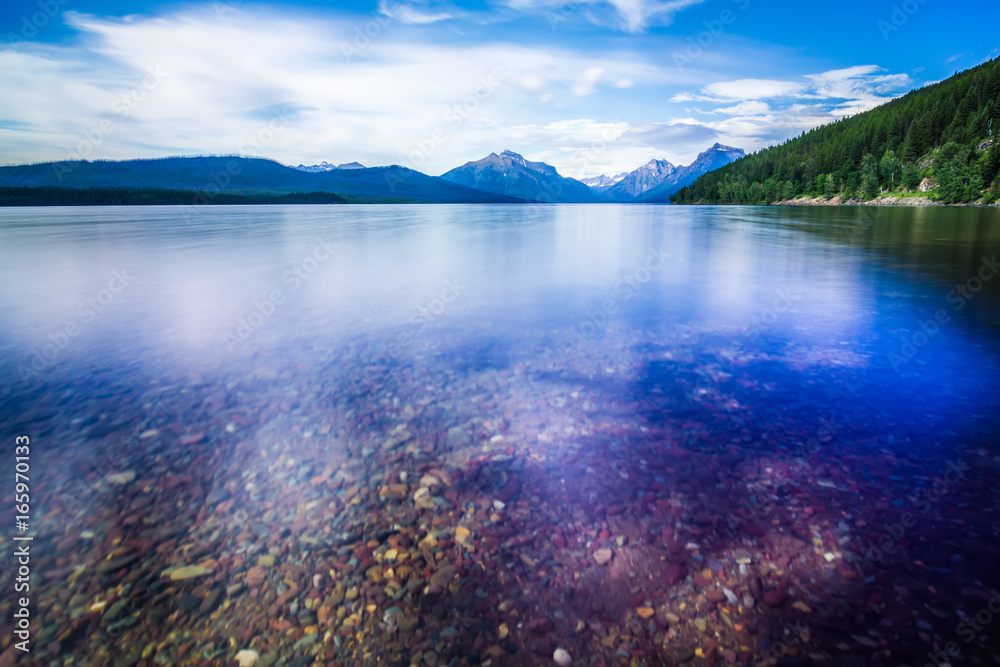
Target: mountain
<point>602,182</point>
<point>326,166</point>
<point>715,157</point>
<point>212,176</point>
<point>54,195</point>
<point>656,180</point>
<point>639,181</point>
<point>936,140</point>
<point>511,175</point>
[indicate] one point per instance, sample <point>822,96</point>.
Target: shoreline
<point>883,200</point>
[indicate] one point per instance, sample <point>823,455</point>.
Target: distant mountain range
<point>657,180</point>
<point>247,176</point>
<point>504,178</point>
<point>634,183</point>
<point>510,174</point>
<point>602,182</point>
<point>326,166</point>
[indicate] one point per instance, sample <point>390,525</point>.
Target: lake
<point>459,434</point>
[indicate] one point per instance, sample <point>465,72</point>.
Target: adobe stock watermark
<point>552,191</point>
<point>452,118</point>
<point>824,435</point>
<point>265,306</point>
<point>378,357</point>
<point>219,181</point>
<point>562,14</point>
<point>929,328</point>
<point>901,13</point>
<point>924,500</point>
<point>752,333</point>
<point>88,310</point>
<point>714,29</point>
<point>870,218</point>
<point>114,457</point>
<point>755,506</point>
<point>768,317</point>
<point>31,25</point>
<point>371,30</point>
<point>973,623</point>
<point>226,6</point>
<point>123,105</point>
<point>625,288</point>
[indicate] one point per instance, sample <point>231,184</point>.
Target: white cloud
<point>419,95</point>
<point>751,89</point>
<point>748,108</point>
<point>862,87</point>
<point>629,15</point>
<point>532,81</point>
<point>768,111</point>
<point>586,83</point>
<point>380,101</point>
<point>415,13</point>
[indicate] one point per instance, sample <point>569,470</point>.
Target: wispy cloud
<point>586,84</point>
<point>225,74</point>
<point>417,12</point>
<point>759,112</point>
<point>586,108</point>
<point>629,15</point>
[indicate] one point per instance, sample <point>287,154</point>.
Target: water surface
<point>637,372</point>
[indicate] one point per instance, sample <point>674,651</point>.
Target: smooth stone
<point>407,623</point>
<point>562,657</point>
<point>113,611</point>
<point>157,616</point>
<point>673,574</point>
<point>602,556</point>
<point>116,564</point>
<point>211,600</point>
<point>443,576</point>
<point>189,572</point>
<point>247,658</point>
<point>268,659</point>
<point>715,596</point>
<point>120,478</point>
<point>189,603</point>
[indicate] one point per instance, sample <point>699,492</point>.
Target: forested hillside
<point>939,140</point>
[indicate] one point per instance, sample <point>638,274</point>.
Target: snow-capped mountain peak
<point>326,166</point>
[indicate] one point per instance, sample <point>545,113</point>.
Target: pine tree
<point>991,165</point>
<point>958,110</point>
<point>869,176</point>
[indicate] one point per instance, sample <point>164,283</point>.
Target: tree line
<point>51,195</point>
<point>941,139</point>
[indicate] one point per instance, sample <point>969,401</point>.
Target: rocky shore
<point>505,517</point>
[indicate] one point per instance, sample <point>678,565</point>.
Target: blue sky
<point>590,87</point>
